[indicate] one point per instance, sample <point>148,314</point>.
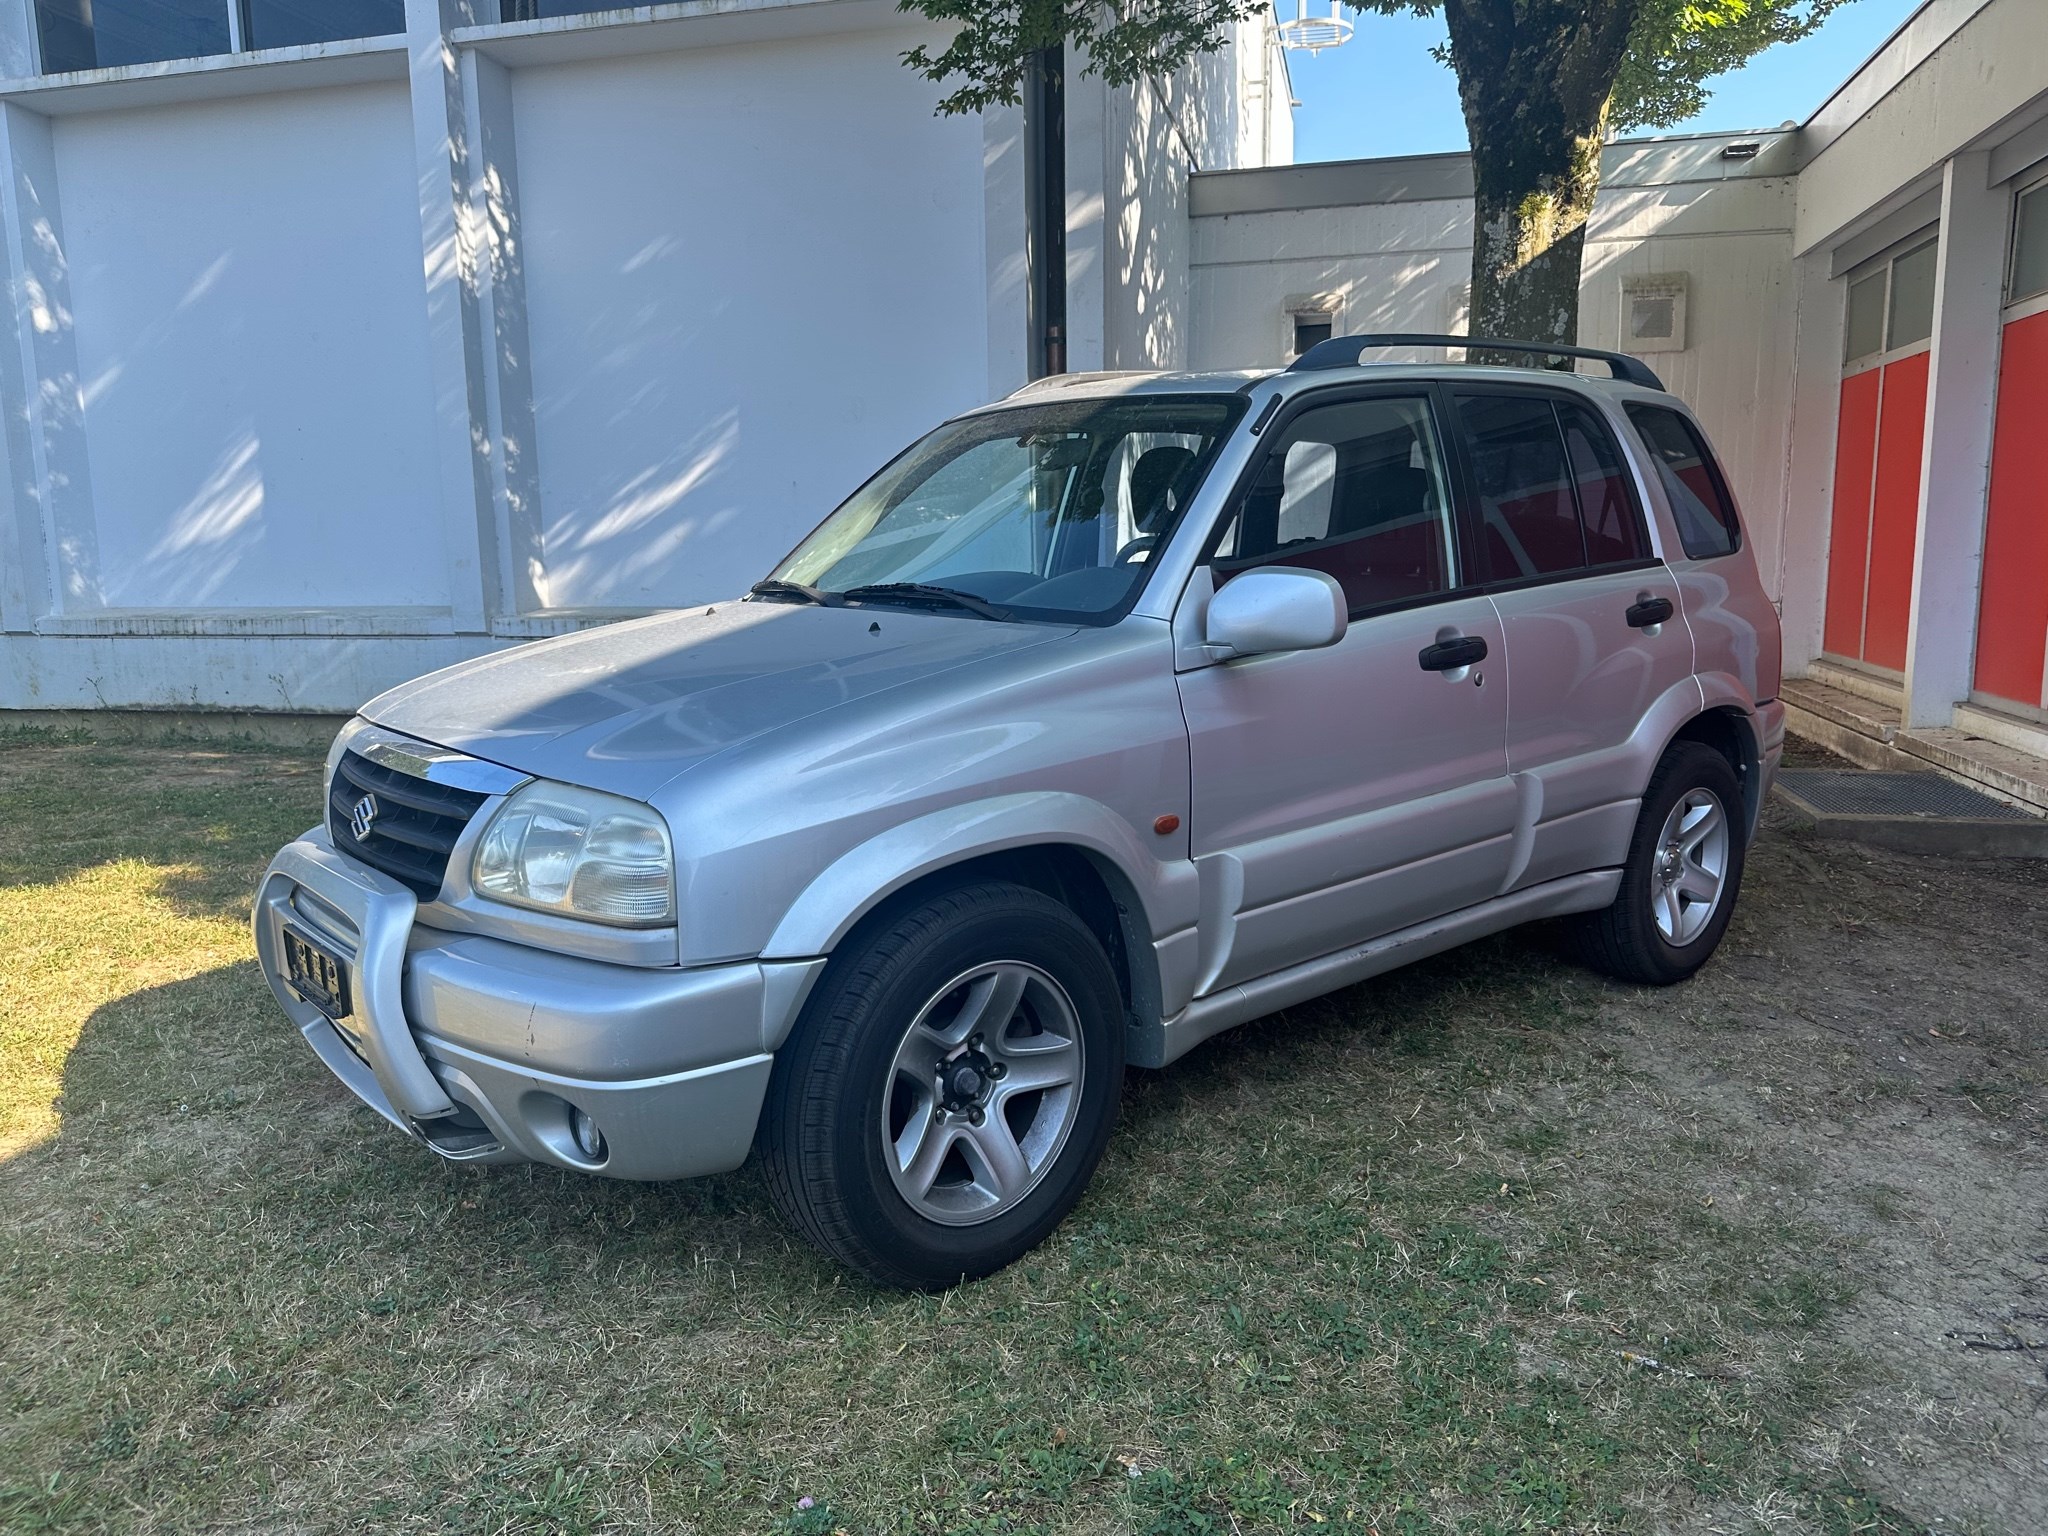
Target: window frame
<point>1881,266</point>
<point>1274,434</point>
<point>1709,459</point>
<point>1469,492</point>
<point>239,33</point>
<point>2014,305</point>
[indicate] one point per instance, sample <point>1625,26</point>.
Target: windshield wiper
<point>797,590</point>
<point>921,591</point>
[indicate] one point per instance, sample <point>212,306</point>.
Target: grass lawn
<point>1488,1246</point>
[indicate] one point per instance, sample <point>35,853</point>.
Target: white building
<point>352,337</point>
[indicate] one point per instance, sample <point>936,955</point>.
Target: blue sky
<point>1382,94</point>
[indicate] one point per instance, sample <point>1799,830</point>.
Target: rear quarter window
<point>1692,480</point>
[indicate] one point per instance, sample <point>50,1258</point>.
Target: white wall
<point>1227,110</point>
<point>1733,241</point>
<point>331,365</point>
<point>752,273</point>
<point>247,293</point>
<point>1390,264</point>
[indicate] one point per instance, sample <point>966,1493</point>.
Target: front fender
<point>867,875</point>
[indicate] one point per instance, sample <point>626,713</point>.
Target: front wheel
<point>949,1089</point>
<point>1684,870</point>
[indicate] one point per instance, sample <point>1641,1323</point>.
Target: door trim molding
<point>1587,892</point>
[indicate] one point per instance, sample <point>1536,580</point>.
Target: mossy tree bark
<point>1535,78</point>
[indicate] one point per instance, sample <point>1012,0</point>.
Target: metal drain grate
<point>1848,792</point>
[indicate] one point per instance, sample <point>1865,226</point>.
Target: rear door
<point>1590,615</point>
<point>1341,793</point>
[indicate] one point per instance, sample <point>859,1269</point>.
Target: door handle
<point>1449,655</point>
<point>1649,612</point>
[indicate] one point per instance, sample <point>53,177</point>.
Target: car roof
<point>1116,384</point>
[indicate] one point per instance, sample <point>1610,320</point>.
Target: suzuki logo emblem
<point>363,817</point>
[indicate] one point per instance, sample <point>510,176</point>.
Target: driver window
<point>1356,490</point>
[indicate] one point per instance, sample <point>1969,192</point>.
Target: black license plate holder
<point>317,973</point>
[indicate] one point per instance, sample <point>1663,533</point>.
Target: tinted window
<point>291,23</point>
<point>1866,317</point>
<point>1692,482</point>
<point>1912,306</point>
<point>2030,245</point>
<point>535,10</point>
<point>1529,518</point>
<point>101,34</point>
<point>1614,530</point>
<point>1356,490</point>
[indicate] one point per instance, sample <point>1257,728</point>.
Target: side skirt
<point>1249,1000</point>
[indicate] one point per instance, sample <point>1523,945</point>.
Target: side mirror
<point>1276,608</point>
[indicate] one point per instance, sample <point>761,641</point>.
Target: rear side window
<point>1528,514</point>
<point>1699,497</point>
<point>1614,528</point>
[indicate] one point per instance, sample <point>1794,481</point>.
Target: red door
<point>1876,512</point>
<point>2012,614</point>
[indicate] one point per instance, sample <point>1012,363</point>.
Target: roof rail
<point>1343,352</point>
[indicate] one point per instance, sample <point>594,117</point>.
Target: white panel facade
<point>252,359</point>
<point>751,273</point>
<point>334,364</point>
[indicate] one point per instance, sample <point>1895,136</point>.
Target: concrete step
<point>1987,764</point>
<point>2012,730</point>
<point>1847,724</point>
<point>1867,731</point>
<point>1875,687</point>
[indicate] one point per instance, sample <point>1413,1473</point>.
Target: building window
<point>1891,303</point>
<point>1910,316</point>
<point>104,34</point>
<point>1310,319</point>
<point>1866,316</point>
<point>538,10</point>
<point>1312,331</point>
<point>2030,244</point>
<point>293,23</point>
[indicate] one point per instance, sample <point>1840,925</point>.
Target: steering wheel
<point>1144,543</point>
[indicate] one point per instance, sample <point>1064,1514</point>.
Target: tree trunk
<point>1535,92</point>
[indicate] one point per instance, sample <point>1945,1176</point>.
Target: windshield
<point>1041,512</point>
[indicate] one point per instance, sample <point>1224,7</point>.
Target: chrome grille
<point>415,826</point>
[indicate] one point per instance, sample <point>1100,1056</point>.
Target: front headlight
<point>574,851</point>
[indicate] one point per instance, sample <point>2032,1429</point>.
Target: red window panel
<point>2012,617</point>
<point>1849,543</point>
<point>1895,512</point>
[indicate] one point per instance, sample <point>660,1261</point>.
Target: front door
<point>1343,793</point>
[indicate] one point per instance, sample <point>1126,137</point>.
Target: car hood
<point>629,706</point>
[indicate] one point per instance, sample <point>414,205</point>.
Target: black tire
<point>821,1141</point>
<point>1624,940</point>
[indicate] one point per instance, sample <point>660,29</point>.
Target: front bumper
<point>483,1049</point>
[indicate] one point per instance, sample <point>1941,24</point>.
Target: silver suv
<point>1104,718</point>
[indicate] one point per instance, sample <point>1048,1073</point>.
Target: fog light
<point>589,1139</point>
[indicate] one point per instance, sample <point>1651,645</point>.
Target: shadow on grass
<point>210,817</point>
